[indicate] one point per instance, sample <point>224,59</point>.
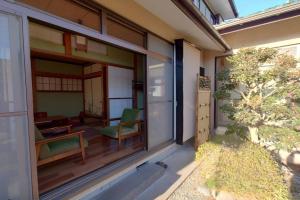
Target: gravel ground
<point>189,189</point>
<point>193,187</point>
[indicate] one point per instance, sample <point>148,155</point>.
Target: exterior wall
<point>137,14</point>
<point>192,60</point>
<point>209,65</point>
<point>277,34</point>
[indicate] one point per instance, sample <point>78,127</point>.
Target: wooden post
<point>202,131</point>
<point>67,38</point>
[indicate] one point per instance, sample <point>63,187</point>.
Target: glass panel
<point>12,83</point>
<point>119,82</point>
<point>123,32</point>
<point>160,123</point>
<point>160,93</point>
<point>116,107</point>
<point>160,46</point>
<point>160,80</point>
<point>14,153</point>
<point>14,170</point>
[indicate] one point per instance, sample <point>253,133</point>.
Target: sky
<point>248,7</point>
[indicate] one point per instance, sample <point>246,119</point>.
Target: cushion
<point>44,151</point>
<point>130,115</point>
<point>112,131</point>
<point>38,135</point>
<point>65,145</point>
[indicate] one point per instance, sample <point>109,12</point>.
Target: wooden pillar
<point>179,90</point>
<point>105,92</point>
<point>67,39</point>
<point>134,88</point>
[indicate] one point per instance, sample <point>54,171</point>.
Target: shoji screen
<point>15,172</point>
<point>119,91</point>
<point>160,92</point>
<point>93,90</point>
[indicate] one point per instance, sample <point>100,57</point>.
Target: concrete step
<point>134,184</point>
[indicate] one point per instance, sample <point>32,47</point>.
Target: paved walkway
<point>180,165</point>
<point>153,180</point>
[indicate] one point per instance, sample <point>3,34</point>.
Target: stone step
<point>134,184</point>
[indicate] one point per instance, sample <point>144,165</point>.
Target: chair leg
<point>141,137</point>
<point>83,155</point>
<point>119,143</point>
<point>82,147</point>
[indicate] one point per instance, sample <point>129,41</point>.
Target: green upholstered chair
<point>58,147</point>
<point>129,126</point>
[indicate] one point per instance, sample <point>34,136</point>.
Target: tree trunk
<point>253,132</point>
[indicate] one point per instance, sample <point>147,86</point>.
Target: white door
<point>15,174</point>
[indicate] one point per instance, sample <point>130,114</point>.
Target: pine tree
<point>265,81</point>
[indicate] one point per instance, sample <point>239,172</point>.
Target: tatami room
<point>88,104</point>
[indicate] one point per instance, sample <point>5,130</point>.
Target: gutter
<point>269,16</point>
<point>199,19</point>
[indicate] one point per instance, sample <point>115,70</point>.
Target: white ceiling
<point>167,11</point>
<point>223,8</point>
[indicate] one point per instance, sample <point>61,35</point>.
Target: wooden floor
<point>100,152</point>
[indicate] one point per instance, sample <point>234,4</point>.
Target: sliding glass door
<point>160,92</point>
<point>15,173</point>
<point>119,92</point>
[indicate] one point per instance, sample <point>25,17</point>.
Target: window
<point>125,32</point>
<point>71,84</point>
<point>204,9</point>
<point>58,84</point>
<point>70,10</point>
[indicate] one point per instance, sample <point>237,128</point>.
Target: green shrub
<point>242,168</point>
<point>283,138</point>
<point>236,129</point>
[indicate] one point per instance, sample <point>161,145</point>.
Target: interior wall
<point>59,103</point>
<point>191,64</point>
<point>49,39</point>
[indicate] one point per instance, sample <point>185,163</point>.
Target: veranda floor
<point>100,152</point>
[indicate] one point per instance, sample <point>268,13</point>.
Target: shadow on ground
<point>294,184</point>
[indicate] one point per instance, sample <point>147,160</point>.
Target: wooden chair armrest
<point>58,138</point>
<point>121,124</point>
<point>57,128</point>
<point>105,122</point>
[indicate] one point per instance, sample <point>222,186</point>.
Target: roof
<point>267,16</point>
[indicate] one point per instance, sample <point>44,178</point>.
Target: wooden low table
<point>50,119</point>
